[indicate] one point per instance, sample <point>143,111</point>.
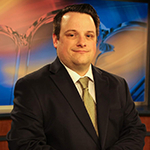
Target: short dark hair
<point>81,8</point>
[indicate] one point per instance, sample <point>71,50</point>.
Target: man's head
<point>81,8</point>
<point>75,35</point>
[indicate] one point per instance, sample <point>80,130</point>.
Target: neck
<point>81,70</point>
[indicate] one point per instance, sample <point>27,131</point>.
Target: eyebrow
<point>70,31</point>
<point>77,31</point>
<point>91,32</point>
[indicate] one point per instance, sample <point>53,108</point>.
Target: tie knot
<point>84,82</point>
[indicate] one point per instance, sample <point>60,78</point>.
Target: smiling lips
<point>80,50</point>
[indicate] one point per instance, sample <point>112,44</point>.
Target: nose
<point>81,41</point>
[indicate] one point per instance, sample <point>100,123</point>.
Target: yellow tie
<point>89,102</point>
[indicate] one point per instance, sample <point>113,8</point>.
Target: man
<point>49,111</point>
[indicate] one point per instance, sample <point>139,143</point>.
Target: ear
<point>55,41</point>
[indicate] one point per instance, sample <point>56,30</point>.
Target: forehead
<point>79,21</point>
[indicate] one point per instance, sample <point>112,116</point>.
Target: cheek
<point>93,47</point>
<point>64,44</point>
<point>62,50</point>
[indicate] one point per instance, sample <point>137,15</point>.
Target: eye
<point>90,36</point>
<point>71,35</point>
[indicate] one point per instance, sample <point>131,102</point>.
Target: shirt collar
<point>75,77</point>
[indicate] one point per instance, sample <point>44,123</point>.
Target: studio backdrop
<point>26,41</point>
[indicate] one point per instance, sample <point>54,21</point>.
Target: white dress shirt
<point>75,77</point>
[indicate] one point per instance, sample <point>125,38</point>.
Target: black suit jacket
<point>49,114</point>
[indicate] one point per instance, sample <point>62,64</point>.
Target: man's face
<point>76,46</point>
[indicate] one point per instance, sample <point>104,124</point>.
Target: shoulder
<point>109,76</point>
<point>114,81</point>
<point>41,72</point>
<point>36,76</point>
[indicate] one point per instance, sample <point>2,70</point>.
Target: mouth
<point>80,50</point>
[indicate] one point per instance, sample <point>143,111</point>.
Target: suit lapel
<point>65,84</point>
<point>102,98</point>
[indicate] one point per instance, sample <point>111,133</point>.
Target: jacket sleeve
<point>133,131</point>
<point>27,128</point>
